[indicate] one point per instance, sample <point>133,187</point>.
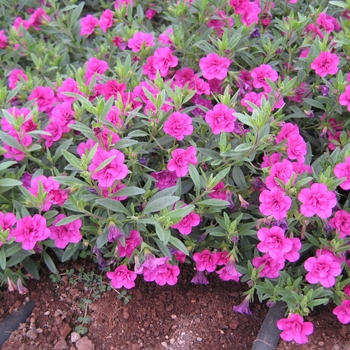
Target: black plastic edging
<point>269,334</point>
<point>12,322</point>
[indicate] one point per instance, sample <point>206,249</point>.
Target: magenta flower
<point>341,223</point>
<point>317,200</point>
<point>68,85</point>
<point>205,261</point>
<point>106,20</point>
<point>214,66</point>
<point>164,60</point>
<point>3,40</point>
<point>7,221</point>
<point>344,98</point>
<point>229,272</point>
<point>275,203</point>
<point>30,230</point>
<point>122,277</point>
<point>186,224</point>
<point>44,97</point>
<point>200,278</point>
<point>181,158</point>
<point>243,307</point>
<point>95,65</point>
<point>178,125</point>
<point>280,170</point>
<point>322,269</point>
<point>260,74</point>
<point>293,255</point>
<point>140,40</point>
<point>131,242</point>
<point>115,170</point>
<point>167,274</point>
<point>274,242</point>
<point>15,77</point>
<point>271,266</point>
<point>221,118</point>
<point>296,148</point>
<point>65,234</point>
<point>343,312</point>
<point>164,179</point>
<point>48,184</point>
<point>88,25</point>
<point>325,63</point>
<point>294,328</point>
<point>343,170</point>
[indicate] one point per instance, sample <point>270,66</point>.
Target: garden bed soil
<point>185,316</point>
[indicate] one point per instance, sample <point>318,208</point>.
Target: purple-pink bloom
<point>164,60</point>
<point>48,184</point>
<point>131,242</point>
<point>115,170</point>
<point>167,274</point>
<point>343,312</point>
<point>15,77</point>
<point>325,63</point>
<point>221,118</point>
<point>122,277</point>
<point>200,278</point>
<point>164,179</point>
<point>343,170</point>
<point>29,230</point>
<point>243,307</point>
<point>229,272</point>
<point>271,266</point>
<point>274,242</point>
<point>65,234</point>
<point>293,255</point>
<point>280,170</point>
<point>106,20</point>
<point>322,269</point>
<point>317,200</point>
<point>186,224</point>
<point>181,159</point>
<point>178,125</point>
<point>274,202</point>
<point>294,328</point>
<point>205,261</point>
<point>44,96</point>
<point>88,25</point>
<point>260,74</point>
<point>95,65</point>
<point>140,40</point>
<point>341,223</point>
<point>214,66</point>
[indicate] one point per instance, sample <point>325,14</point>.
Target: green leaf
<point>69,180</point>
<point>11,141</point>
<point>124,143</point>
<point>163,234</point>
<point>10,182</point>
<point>213,202</point>
<point>238,178</point>
<point>178,244</point>
<point>75,14</point>
<point>128,191</point>
<point>87,132</point>
<point>160,203</point>
<point>2,258</point>
<point>69,252</point>
<point>113,205</point>
<point>31,267</point>
<point>102,239</point>
<point>181,212</point>
<point>312,239</point>
<point>72,160</point>
<point>64,146</point>
<point>195,178</point>
<point>104,164</point>
<point>68,220</point>
<point>6,165</point>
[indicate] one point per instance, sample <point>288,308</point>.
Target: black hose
<point>12,322</point>
<point>269,334</point>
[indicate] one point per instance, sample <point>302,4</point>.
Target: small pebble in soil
<point>74,337</point>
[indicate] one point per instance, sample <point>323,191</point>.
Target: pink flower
<point>30,230</point>
<point>7,221</point>
<point>55,130</point>
<point>65,234</point>
<point>322,269</point>
<point>106,20</point>
<point>218,191</point>
<point>178,125</point>
<point>150,13</point>
<point>149,69</point>
<point>243,307</point>
<point>95,65</point>
<point>325,63</point>
<point>221,118</point>
<point>229,272</point>
<point>140,40</point>
<point>252,97</point>
<point>270,160</point>
<point>344,98</point>
<point>48,184</point>
<point>164,179</point>
<point>167,274</point>
<point>3,40</point>
<point>288,129</point>
<point>280,170</point>
<point>343,312</point>
<point>296,147</point>
<point>115,170</point>
<point>14,78</point>
<point>317,200</point>
<point>179,256</point>
<point>200,278</point>
<point>343,170</point>
<point>251,13</point>
<point>37,18</point>
<point>327,22</point>
<point>181,158</point>
<point>44,97</point>
<point>239,6</point>
<point>109,192</point>
<point>214,66</point>
<point>341,223</point>
<point>271,266</point>
<point>68,85</point>
<point>293,255</point>
<point>164,38</point>
<point>186,224</point>
<point>274,242</point>
<point>275,203</point>
<point>294,328</point>
<point>88,25</point>
<point>164,60</point>
<point>260,74</point>
<point>122,277</point>
<point>131,242</point>
<point>205,261</point>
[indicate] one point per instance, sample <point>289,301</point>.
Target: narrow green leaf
<point>195,178</point>
<point>104,164</point>
<point>2,258</point>
<point>72,160</point>
<point>178,244</point>
<point>213,202</point>
<point>68,220</point>
<point>31,267</point>
<point>6,165</point>
<point>129,191</point>
<point>160,203</point>
<point>10,182</point>
<point>113,205</point>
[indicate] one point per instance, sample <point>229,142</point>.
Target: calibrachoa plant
<point>149,135</point>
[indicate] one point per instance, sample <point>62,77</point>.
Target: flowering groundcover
<point>149,135</point>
